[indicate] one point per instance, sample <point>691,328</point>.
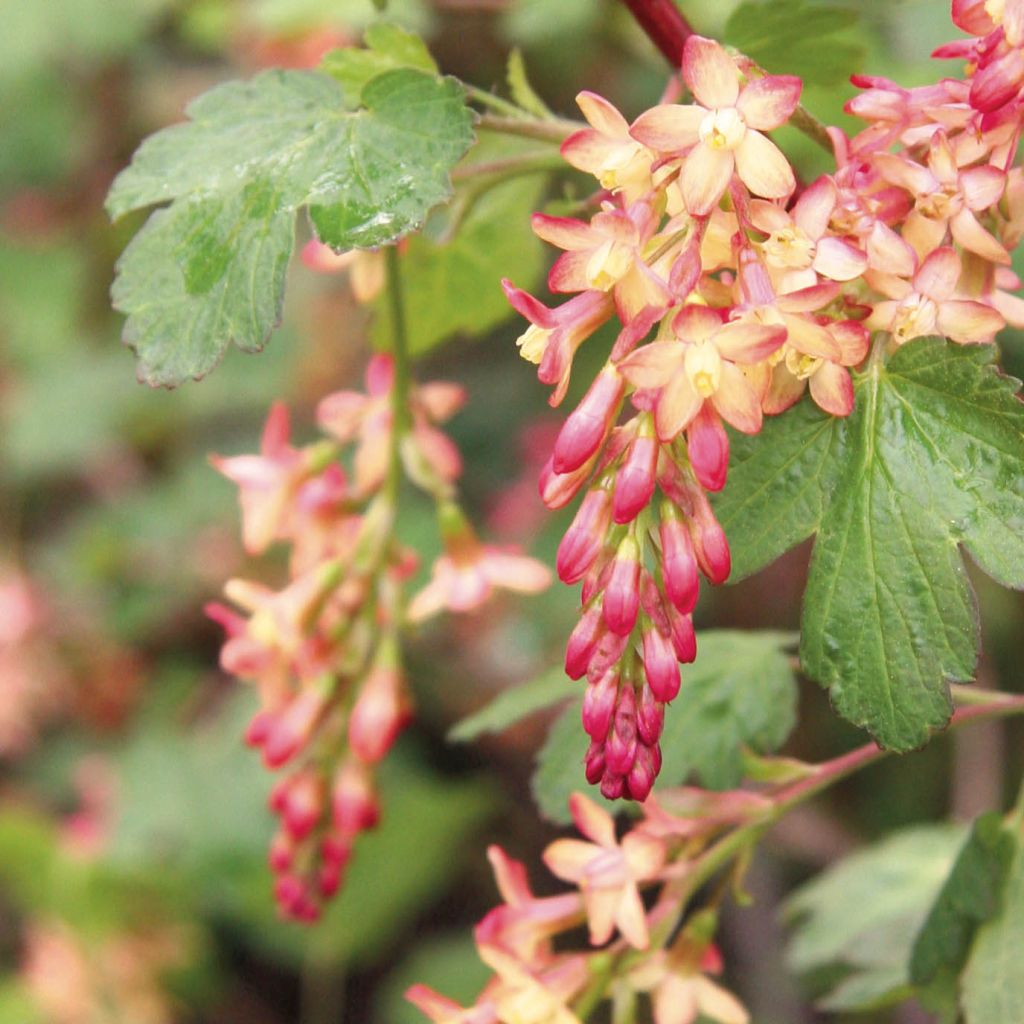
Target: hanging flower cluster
<point>325,651</point>
<point>734,291</point>
<point>534,981</point>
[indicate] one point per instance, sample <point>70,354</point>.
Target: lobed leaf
<point>210,268</point>
<point>387,47</point>
<point>931,458</point>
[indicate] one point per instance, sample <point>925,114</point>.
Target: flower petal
<point>809,337</point>
<point>569,272</point>
<point>592,821</point>
<point>784,391</point>
<point>748,342</point>
<point>973,237</point>
<point>652,365</point>
<point>762,167</point>
<point>668,127</point>
<point>515,572</point>
<point>705,177</point>
<point>631,918</point>
<point>832,389</point>
<point>982,187</point>
<point>813,209</point>
<point>968,322</point>
<point>888,252</point>
<point>601,114</point>
<point>736,401</point>
<point>938,275</point>
<point>565,232</point>
<point>838,260</point>
<point>568,858</point>
<point>710,73</point>
<point>695,322</point>
<point>768,102</point>
<point>677,406</point>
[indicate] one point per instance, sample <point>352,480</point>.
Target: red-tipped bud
<point>336,849</point>
<point>609,650</point>
<point>381,711</point>
<point>651,602</point>
<point>684,641</point>
<point>634,483</point>
<point>710,544</point>
<point>621,600</point>
<point>329,879</point>
<point>281,853</point>
<point>599,705</point>
<point>584,539</point>
<point>583,642</point>
<point>650,716</point>
<point>304,804</point>
<point>597,577</point>
<point>620,749</point>
<point>259,728</point>
<point>660,665</point>
<point>594,762</point>
<point>589,423</point>
<point>558,489</point>
<point>645,770</point>
<point>355,803</point>
<point>707,444</point>
<point>679,565</point>
<point>612,786</point>
<point>293,728</point>
<point>289,893</point>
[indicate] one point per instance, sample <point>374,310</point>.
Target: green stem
<point>401,383</point>
<point>548,131</point>
<point>488,99</point>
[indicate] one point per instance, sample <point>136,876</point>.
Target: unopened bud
<point>589,423</point>
<point>355,803</point>
<point>599,704</point>
<point>711,547</point>
<point>660,665</point>
<point>622,595</point>
<point>650,716</point>
<point>594,762</point>
<point>583,641</point>
<point>620,748</point>
<point>707,445</point>
<point>558,489</point>
<point>679,565</point>
<point>292,729</point>
<point>381,711</point>
<point>645,770</point>
<point>684,641</point>
<point>634,484</point>
<point>584,539</point>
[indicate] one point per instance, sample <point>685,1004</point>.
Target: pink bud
<point>650,716</point>
<point>612,786</point>
<point>381,711</point>
<point>329,879</point>
<point>620,749</point>
<point>609,651</point>
<point>355,804</point>
<point>710,544</point>
<point>335,849</point>
<point>599,703</point>
<point>679,565</point>
<point>583,641</point>
<point>660,665</point>
<point>684,641</point>
<point>707,444</point>
<point>558,489</point>
<point>583,540</point>
<point>303,804</point>
<point>281,853</point>
<point>652,603</point>
<point>289,893</point>
<point>589,423</point>
<point>634,484</point>
<point>598,575</point>
<point>622,595</point>
<point>293,727</point>
<point>645,770</point>
<point>594,762</point>
<point>260,726</point>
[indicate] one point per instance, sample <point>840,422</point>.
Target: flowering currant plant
<point>751,354</point>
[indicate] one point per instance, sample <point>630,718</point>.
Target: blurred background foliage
<point>133,828</point>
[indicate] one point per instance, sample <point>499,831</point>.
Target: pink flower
<point>366,267</point>
<point>722,133</point>
<point>681,993</point>
<point>607,872</point>
<point>702,366</point>
<point>928,305</point>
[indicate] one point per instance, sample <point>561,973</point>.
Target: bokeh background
<point>133,827</point>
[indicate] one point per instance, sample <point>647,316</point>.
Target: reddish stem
<point>665,24</point>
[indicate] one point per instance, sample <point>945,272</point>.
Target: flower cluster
<point>534,981</point>
<point>734,291</point>
<point>324,652</point>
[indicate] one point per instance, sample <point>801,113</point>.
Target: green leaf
<point>797,38</point>
<point>515,704</point>
<point>931,458</point>
<point>739,693</point>
<point>861,917</point>
<point>993,983</point>
<point>494,240</point>
<point>210,268</point>
<point>519,85</point>
<point>970,897</point>
<point>387,47</point>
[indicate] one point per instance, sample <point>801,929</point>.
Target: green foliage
<point>993,982</point>
<point>931,458</point>
<point>210,268</point>
<point>795,37</point>
<point>388,47</point>
<point>740,693</point>
<point>971,896</point>
<point>452,283</point>
<point>519,86</point>
<point>515,704</point>
<point>857,922</point>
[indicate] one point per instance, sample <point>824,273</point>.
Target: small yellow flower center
<point>703,365</point>
<point>628,164</point>
<point>789,247</point>
<point>940,204</point>
<point>533,342</point>
<point>722,129</point>
<point>915,317</point>
<point>800,365</point>
<point>608,264</point>
<point>995,10</point>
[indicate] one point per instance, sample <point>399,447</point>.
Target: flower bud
<point>679,565</point>
<point>650,716</point>
<point>558,489</point>
<point>620,748</point>
<point>281,852</point>
<point>660,665</point>
<point>589,423</point>
<point>599,704</point>
<point>710,544</point>
<point>355,804</point>
<point>594,762</point>
<point>583,641</point>
<point>684,641</point>
<point>584,539</point>
<point>622,595</point>
<point>303,804</point>
<point>707,445</point>
<point>634,484</point>
<point>381,711</point>
<point>610,649</point>
<point>645,770</point>
<point>293,727</point>
<point>612,786</point>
